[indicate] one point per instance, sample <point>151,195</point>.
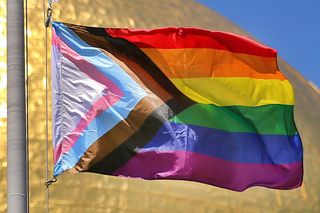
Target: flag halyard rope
<point>47,18</point>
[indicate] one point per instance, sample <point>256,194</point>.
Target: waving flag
<point>172,103</point>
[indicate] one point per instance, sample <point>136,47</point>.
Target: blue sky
<point>290,26</point>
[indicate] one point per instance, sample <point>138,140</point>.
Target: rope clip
<point>51,181</point>
<point>49,16</point>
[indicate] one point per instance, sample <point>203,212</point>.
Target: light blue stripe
<point>133,93</point>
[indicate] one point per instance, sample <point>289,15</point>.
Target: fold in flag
<point>172,103</point>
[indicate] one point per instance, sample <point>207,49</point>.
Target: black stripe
<point>134,53</point>
<point>123,153</point>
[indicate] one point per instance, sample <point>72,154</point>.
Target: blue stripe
<point>236,147</point>
<point>133,93</point>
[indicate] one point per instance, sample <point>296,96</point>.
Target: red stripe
<point>174,38</point>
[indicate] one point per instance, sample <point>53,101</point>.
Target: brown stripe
<point>121,132</point>
<point>130,147</point>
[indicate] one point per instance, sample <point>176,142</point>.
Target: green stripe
<point>275,119</point>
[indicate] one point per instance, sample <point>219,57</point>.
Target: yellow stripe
<point>236,91</point>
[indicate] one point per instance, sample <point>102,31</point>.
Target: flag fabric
<point>172,103</point>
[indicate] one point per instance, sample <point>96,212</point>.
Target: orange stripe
<point>203,62</point>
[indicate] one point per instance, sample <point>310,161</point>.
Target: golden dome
<point>98,193</point>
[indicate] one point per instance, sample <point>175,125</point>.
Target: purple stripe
<point>201,168</point>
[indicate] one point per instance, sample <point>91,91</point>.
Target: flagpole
<point>17,144</point>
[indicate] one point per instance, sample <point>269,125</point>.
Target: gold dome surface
<point>98,193</point>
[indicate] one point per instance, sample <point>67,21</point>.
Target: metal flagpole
<point>17,144</point>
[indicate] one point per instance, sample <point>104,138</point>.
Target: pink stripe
<point>201,168</point>
<point>114,95</point>
<point>55,38</point>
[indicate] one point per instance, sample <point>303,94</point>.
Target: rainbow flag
<point>172,103</point>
